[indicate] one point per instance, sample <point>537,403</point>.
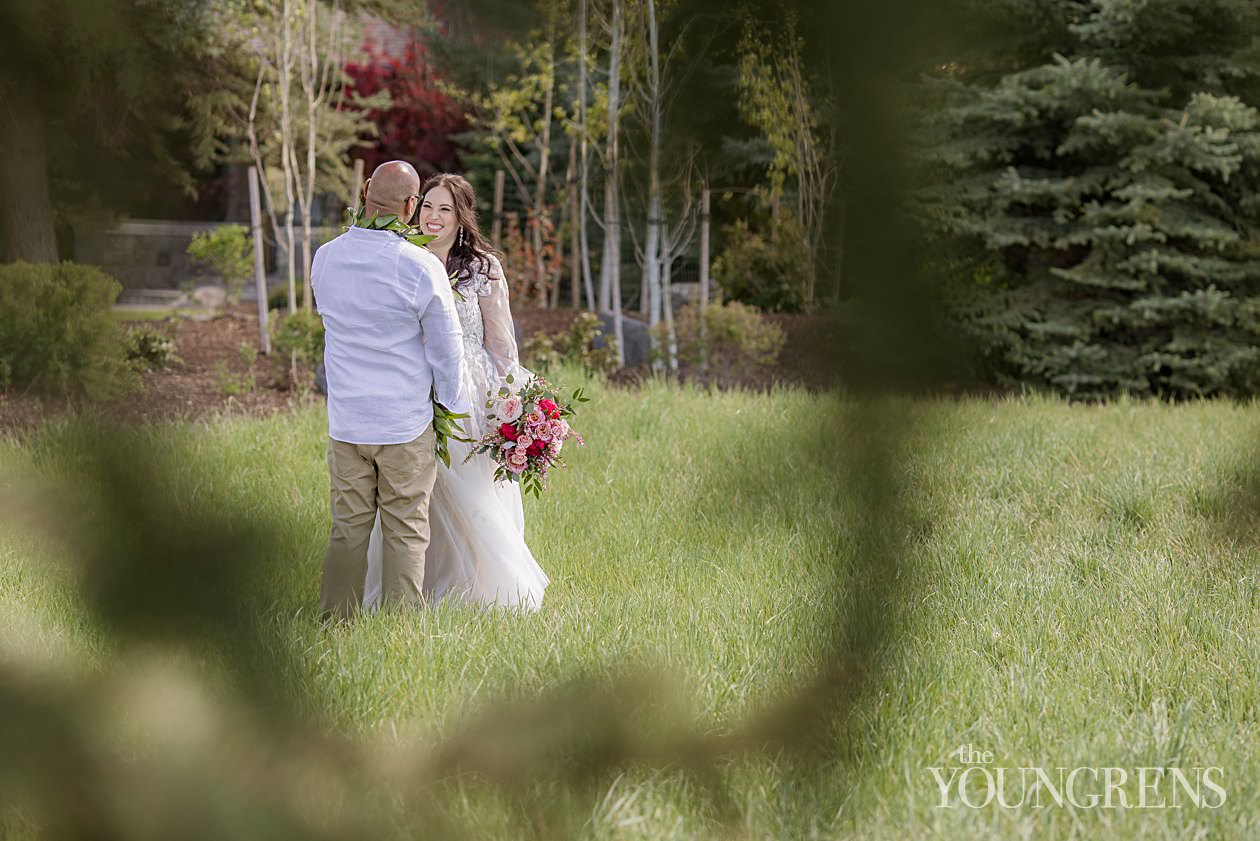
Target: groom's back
<point>371,287</point>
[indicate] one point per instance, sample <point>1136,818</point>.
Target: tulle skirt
<point>477,550</point>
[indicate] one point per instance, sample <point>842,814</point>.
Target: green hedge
<point>58,334</point>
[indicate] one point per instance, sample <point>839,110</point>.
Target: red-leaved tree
<point>421,121</point>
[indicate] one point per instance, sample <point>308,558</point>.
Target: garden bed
<point>216,376</point>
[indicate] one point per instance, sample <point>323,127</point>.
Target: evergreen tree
<point>94,98</point>
<point>1117,184</point>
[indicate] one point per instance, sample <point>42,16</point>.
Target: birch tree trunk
<point>309,68</point>
<point>317,80</point>
<point>26,215</point>
<point>544,160</point>
<point>652,241</point>
<point>584,174</point>
<point>612,199</point>
<point>575,238</point>
<point>284,81</point>
<point>255,152</point>
<point>667,305</point>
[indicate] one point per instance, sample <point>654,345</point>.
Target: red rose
<point>549,408</point>
<point>509,432</point>
<point>535,449</point>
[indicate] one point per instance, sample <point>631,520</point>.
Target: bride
<point>477,548</point>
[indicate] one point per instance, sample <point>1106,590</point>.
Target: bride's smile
<point>437,217</point>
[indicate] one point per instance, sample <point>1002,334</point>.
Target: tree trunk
<point>667,307</point>
<point>575,238</point>
<point>651,294</point>
<point>544,159</point>
<point>583,190</point>
<point>612,233</point>
<point>26,216</point>
<point>310,70</point>
<point>288,153</point>
<point>612,209</point>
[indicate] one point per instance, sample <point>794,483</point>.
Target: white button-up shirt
<point>390,332</point>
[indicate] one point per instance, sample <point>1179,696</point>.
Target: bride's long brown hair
<point>474,253</point>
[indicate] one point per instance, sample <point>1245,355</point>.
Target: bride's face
<point>437,217</point>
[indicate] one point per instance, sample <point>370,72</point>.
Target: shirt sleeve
<point>496,316</point>
<point>443,337</point>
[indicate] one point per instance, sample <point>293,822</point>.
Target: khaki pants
<point>397,479</point>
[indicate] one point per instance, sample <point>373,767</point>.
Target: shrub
<point>278,299</point>
<point>576,346</point>
<point>59,335</point>
<point>771,271</point>
<point>228,252</point>
<point>149,349</point>
<point>735,337</point>
<point>301,335</point>
<point>232,384</point>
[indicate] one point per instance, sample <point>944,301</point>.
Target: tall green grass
<point>1084,592</point>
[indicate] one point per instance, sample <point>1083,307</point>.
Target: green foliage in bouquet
<point>446,425</point>
<point>536,396</point>
<point>59,335</point>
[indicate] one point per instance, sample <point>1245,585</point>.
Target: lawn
<point>1080,588</point>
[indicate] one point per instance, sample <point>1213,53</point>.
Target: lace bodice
<point>489,337</point>
<point>470,314</point>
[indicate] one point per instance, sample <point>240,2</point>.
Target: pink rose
<point>559,428</point>
<point>535,418</point>
<point>543,432</point>
<point>509,408</point>
<point>514,465</point>
<point>523,442</point>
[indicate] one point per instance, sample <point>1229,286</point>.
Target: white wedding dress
<point>477,550</point>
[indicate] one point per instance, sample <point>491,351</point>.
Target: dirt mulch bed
<point>214,373</point>
<point>213,377</point>
<point>551,322</point>
<point>806,360</point>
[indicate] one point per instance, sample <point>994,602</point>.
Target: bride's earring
<point>461,237</point>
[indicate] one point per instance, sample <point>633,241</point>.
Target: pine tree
<point>1117,185</point>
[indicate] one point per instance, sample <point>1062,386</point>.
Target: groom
<point>391,333</point>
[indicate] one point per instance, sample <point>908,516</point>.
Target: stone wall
<point>142,253</point>
<point>153,253</point>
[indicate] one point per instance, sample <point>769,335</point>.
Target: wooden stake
<point>358,183</point>
<point>704,251</point>
<point>496,228</point>
<point>260,278</point>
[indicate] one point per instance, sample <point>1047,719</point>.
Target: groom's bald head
<point>392,189</point>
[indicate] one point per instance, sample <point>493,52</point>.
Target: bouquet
<point>531,432</point>
<point>446,425</point>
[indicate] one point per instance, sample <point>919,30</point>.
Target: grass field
<point>1083,590</point>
